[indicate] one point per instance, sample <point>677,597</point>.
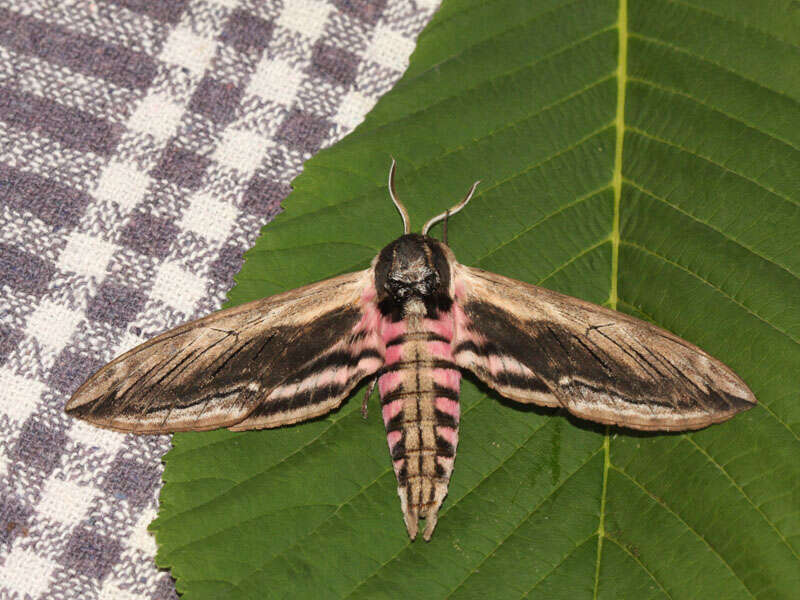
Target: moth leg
<point>367,394</point>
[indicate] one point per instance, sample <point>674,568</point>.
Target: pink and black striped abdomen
<point>419,388</point>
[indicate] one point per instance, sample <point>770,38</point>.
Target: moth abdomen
<point>419,386</point>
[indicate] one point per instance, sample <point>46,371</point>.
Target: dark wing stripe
<point>523,382</point>
<point>593,353</point>
<point>234,351</point>
<point>198,401</point>
<point>306,398</point>
<point>509,378</point>
<point>332,360</point>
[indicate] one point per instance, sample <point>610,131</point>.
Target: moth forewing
<point>216,371</point>
<point>412,320</point>
<point>597,363</point>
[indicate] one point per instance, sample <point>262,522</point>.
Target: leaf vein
<point>710,226</point>
<point>697,534</point>
<point>641,565</point>
<point>542,220</point>
<point>717,164</point>
<point>744,24</point>
<point>527,517</point>
<point>719,65</point>
<point>713,286</point>
<point>730,478</point>
<point>731,116</point>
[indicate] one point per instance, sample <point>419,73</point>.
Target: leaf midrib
<point>616,184</point>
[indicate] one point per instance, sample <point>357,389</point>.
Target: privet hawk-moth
<point>412,320</point>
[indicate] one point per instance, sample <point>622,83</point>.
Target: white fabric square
<point>65,501</point>
<point>142,539</point>
<point>275,80</point>
<point>123,184</point>
<point>86,255</point>
<point>189,50</point>
<point>112,591</point>
<point>306,16</point>
<point>94,437</point>
<point>156,115</point>
<point>241,150</point>
<point>428,5</point>
<point>178,287</point>
<point>389,48</point>
<point>21,395</point>
<point>26,573</point>
<point>52,324</point>
<point>210,217</point>
<point>353,109</point>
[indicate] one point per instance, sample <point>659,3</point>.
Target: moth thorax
<point>413,307</point>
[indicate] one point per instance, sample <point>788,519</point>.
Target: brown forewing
<point>216,371</point>
<point>536,345</point>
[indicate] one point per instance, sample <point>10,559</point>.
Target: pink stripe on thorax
<point>442,326</point>
<point>390,331</point>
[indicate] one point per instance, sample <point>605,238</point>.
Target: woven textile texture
<point>143,144</point>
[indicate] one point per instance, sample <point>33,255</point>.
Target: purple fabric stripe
<point>23,271</point>
<point>217,100</point>
<point>181,167</point>
<point>245,31</point>
<point>368,11</point>
<point>80,53</point>
<point>54,203</point>
<point>9,338</point>
<point>71,126</point>
<point>168,11</point>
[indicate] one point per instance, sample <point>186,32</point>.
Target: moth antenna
<point>393,193</point>
<point>451,211</point>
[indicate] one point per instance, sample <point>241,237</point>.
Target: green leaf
<point>642,154</point>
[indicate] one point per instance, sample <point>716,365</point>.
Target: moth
<point>412,321</point>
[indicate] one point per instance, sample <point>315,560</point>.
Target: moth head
<point>413,267</point>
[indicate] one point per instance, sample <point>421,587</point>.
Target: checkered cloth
<point>143,144</point>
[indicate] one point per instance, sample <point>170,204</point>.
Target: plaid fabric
<point>143,144</point>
